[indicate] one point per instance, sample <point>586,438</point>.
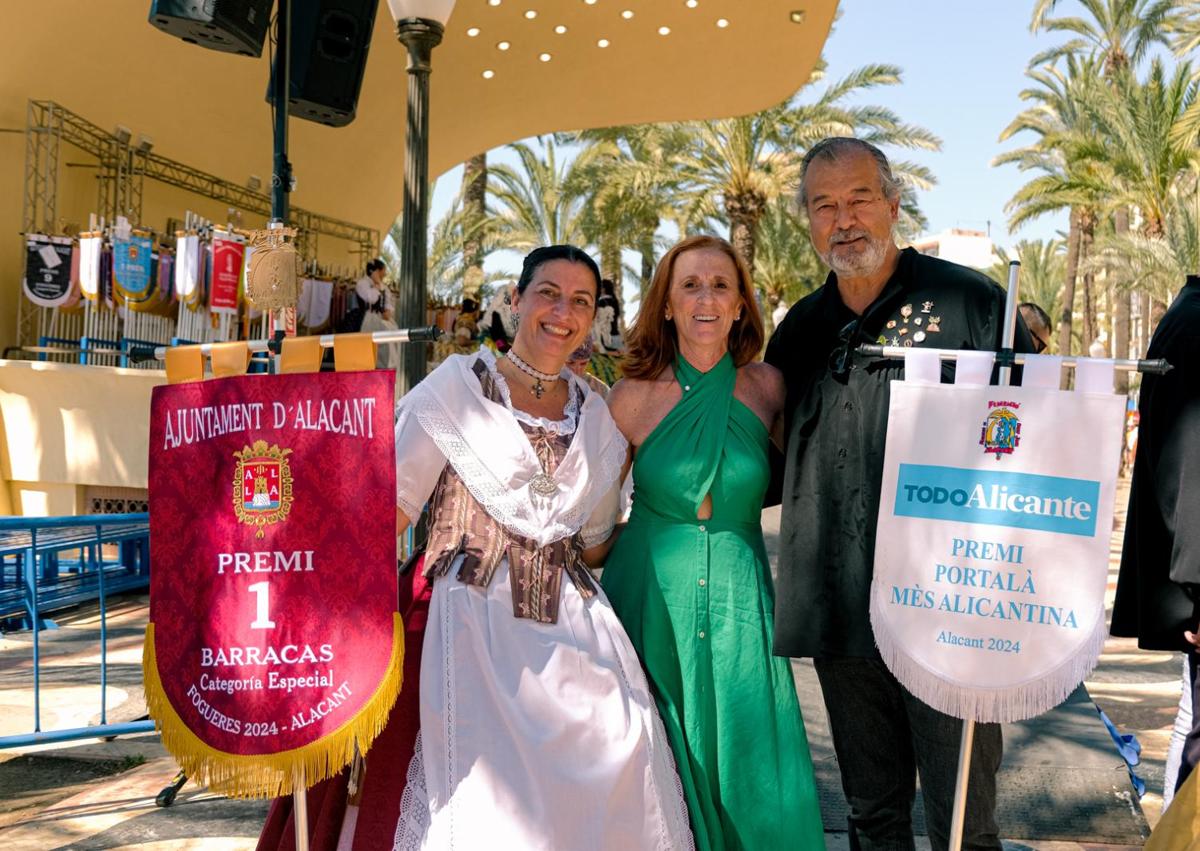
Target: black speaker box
<point>330,39</point>
<point>234,26</point>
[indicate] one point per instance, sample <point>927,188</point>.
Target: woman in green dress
<point>688,575</point>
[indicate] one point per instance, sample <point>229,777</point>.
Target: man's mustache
<point>848,236</point>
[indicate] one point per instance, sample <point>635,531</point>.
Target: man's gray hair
<point>834,148</point>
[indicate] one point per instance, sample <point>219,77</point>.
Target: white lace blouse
<point>420,455</point>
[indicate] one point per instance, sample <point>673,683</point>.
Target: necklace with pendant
<point>538,377</point>
<point>541,484</point>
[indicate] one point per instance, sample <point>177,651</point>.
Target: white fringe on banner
<point>985,704</point>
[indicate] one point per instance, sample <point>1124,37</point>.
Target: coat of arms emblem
<point>262,485</point>
<point>1001,432</point>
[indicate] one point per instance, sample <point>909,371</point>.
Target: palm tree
<point>736,167</point>
<point>1041,280</point>
<point>474,193</point>
<point>1184,27</point>
<point>1146,135</point>
<point>539,203</point>
<point>1155,265</point>
<point>1065,179</point>
<point>1119,33</point>
<point>631,186</point>
<point>453,239</point>
<point>1150,131</point>
<point>785,265</point>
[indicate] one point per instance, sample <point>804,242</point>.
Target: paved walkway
<point>1063,786</point>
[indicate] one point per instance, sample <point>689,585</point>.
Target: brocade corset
<point>459,525</point>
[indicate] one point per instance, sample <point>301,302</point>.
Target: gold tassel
<point>271,775</point>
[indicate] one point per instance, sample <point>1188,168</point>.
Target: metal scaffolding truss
<point>123,169</point>
<point>126,167</point>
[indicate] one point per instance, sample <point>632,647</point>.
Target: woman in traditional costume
<point>689,575</point>
<point>537,728</point>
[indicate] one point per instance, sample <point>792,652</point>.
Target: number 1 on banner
<point>262,615</point>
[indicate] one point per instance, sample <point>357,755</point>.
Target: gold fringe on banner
<point>271,775</point>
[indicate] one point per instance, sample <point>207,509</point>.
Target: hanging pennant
<point>228,253</point>
<point>90,251</point>
<point>47,280</point>
<point>187,269</point>
<point>133,259</point>
<point>988,598</point>
<point>272,282</point>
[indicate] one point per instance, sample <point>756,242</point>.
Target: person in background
<point>498,324</point>
<point>378,310</point>
<point>781,311</point>
<point>608,317</point>
<point>578,362</point>
<point>1039,325</point>
<point>1158,586</point>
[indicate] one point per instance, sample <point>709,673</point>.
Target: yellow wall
<point>66,426</point>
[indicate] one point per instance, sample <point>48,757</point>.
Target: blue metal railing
<point>34,548</point>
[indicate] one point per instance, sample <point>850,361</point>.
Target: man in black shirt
<point>836,413</point>
<point>1158,588</point>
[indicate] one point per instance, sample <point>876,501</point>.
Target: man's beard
<point>866,260</point>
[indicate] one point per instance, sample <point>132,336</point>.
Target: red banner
<point>274,643</point>
<point>226,275</point>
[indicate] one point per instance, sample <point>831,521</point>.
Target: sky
<point>963,64</point>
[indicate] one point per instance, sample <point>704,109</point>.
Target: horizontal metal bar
<point>7,523</point>
<point>83,134</point>
<point>100,731</point>
<point>1158,367</point>
<point>402,335</point>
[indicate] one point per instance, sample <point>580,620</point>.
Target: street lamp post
<point>419,27</point>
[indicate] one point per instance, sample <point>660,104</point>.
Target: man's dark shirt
<point>836,426</point>
<point>1158,588</point>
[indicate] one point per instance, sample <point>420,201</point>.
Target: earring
<point>516,318</point>
<point>667,314</point>
<point>737,316</point>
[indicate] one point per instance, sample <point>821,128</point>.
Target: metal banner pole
<point>300,810</point>
<point>968,730</point>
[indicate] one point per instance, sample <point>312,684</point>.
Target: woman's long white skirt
<point>536,736</point>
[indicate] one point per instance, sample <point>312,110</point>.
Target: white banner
<point>991,558</point>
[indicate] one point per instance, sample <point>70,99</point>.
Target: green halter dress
<point>696,598</point>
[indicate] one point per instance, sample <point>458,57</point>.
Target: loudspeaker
<point>234,26</point>
<point>330,39</point>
